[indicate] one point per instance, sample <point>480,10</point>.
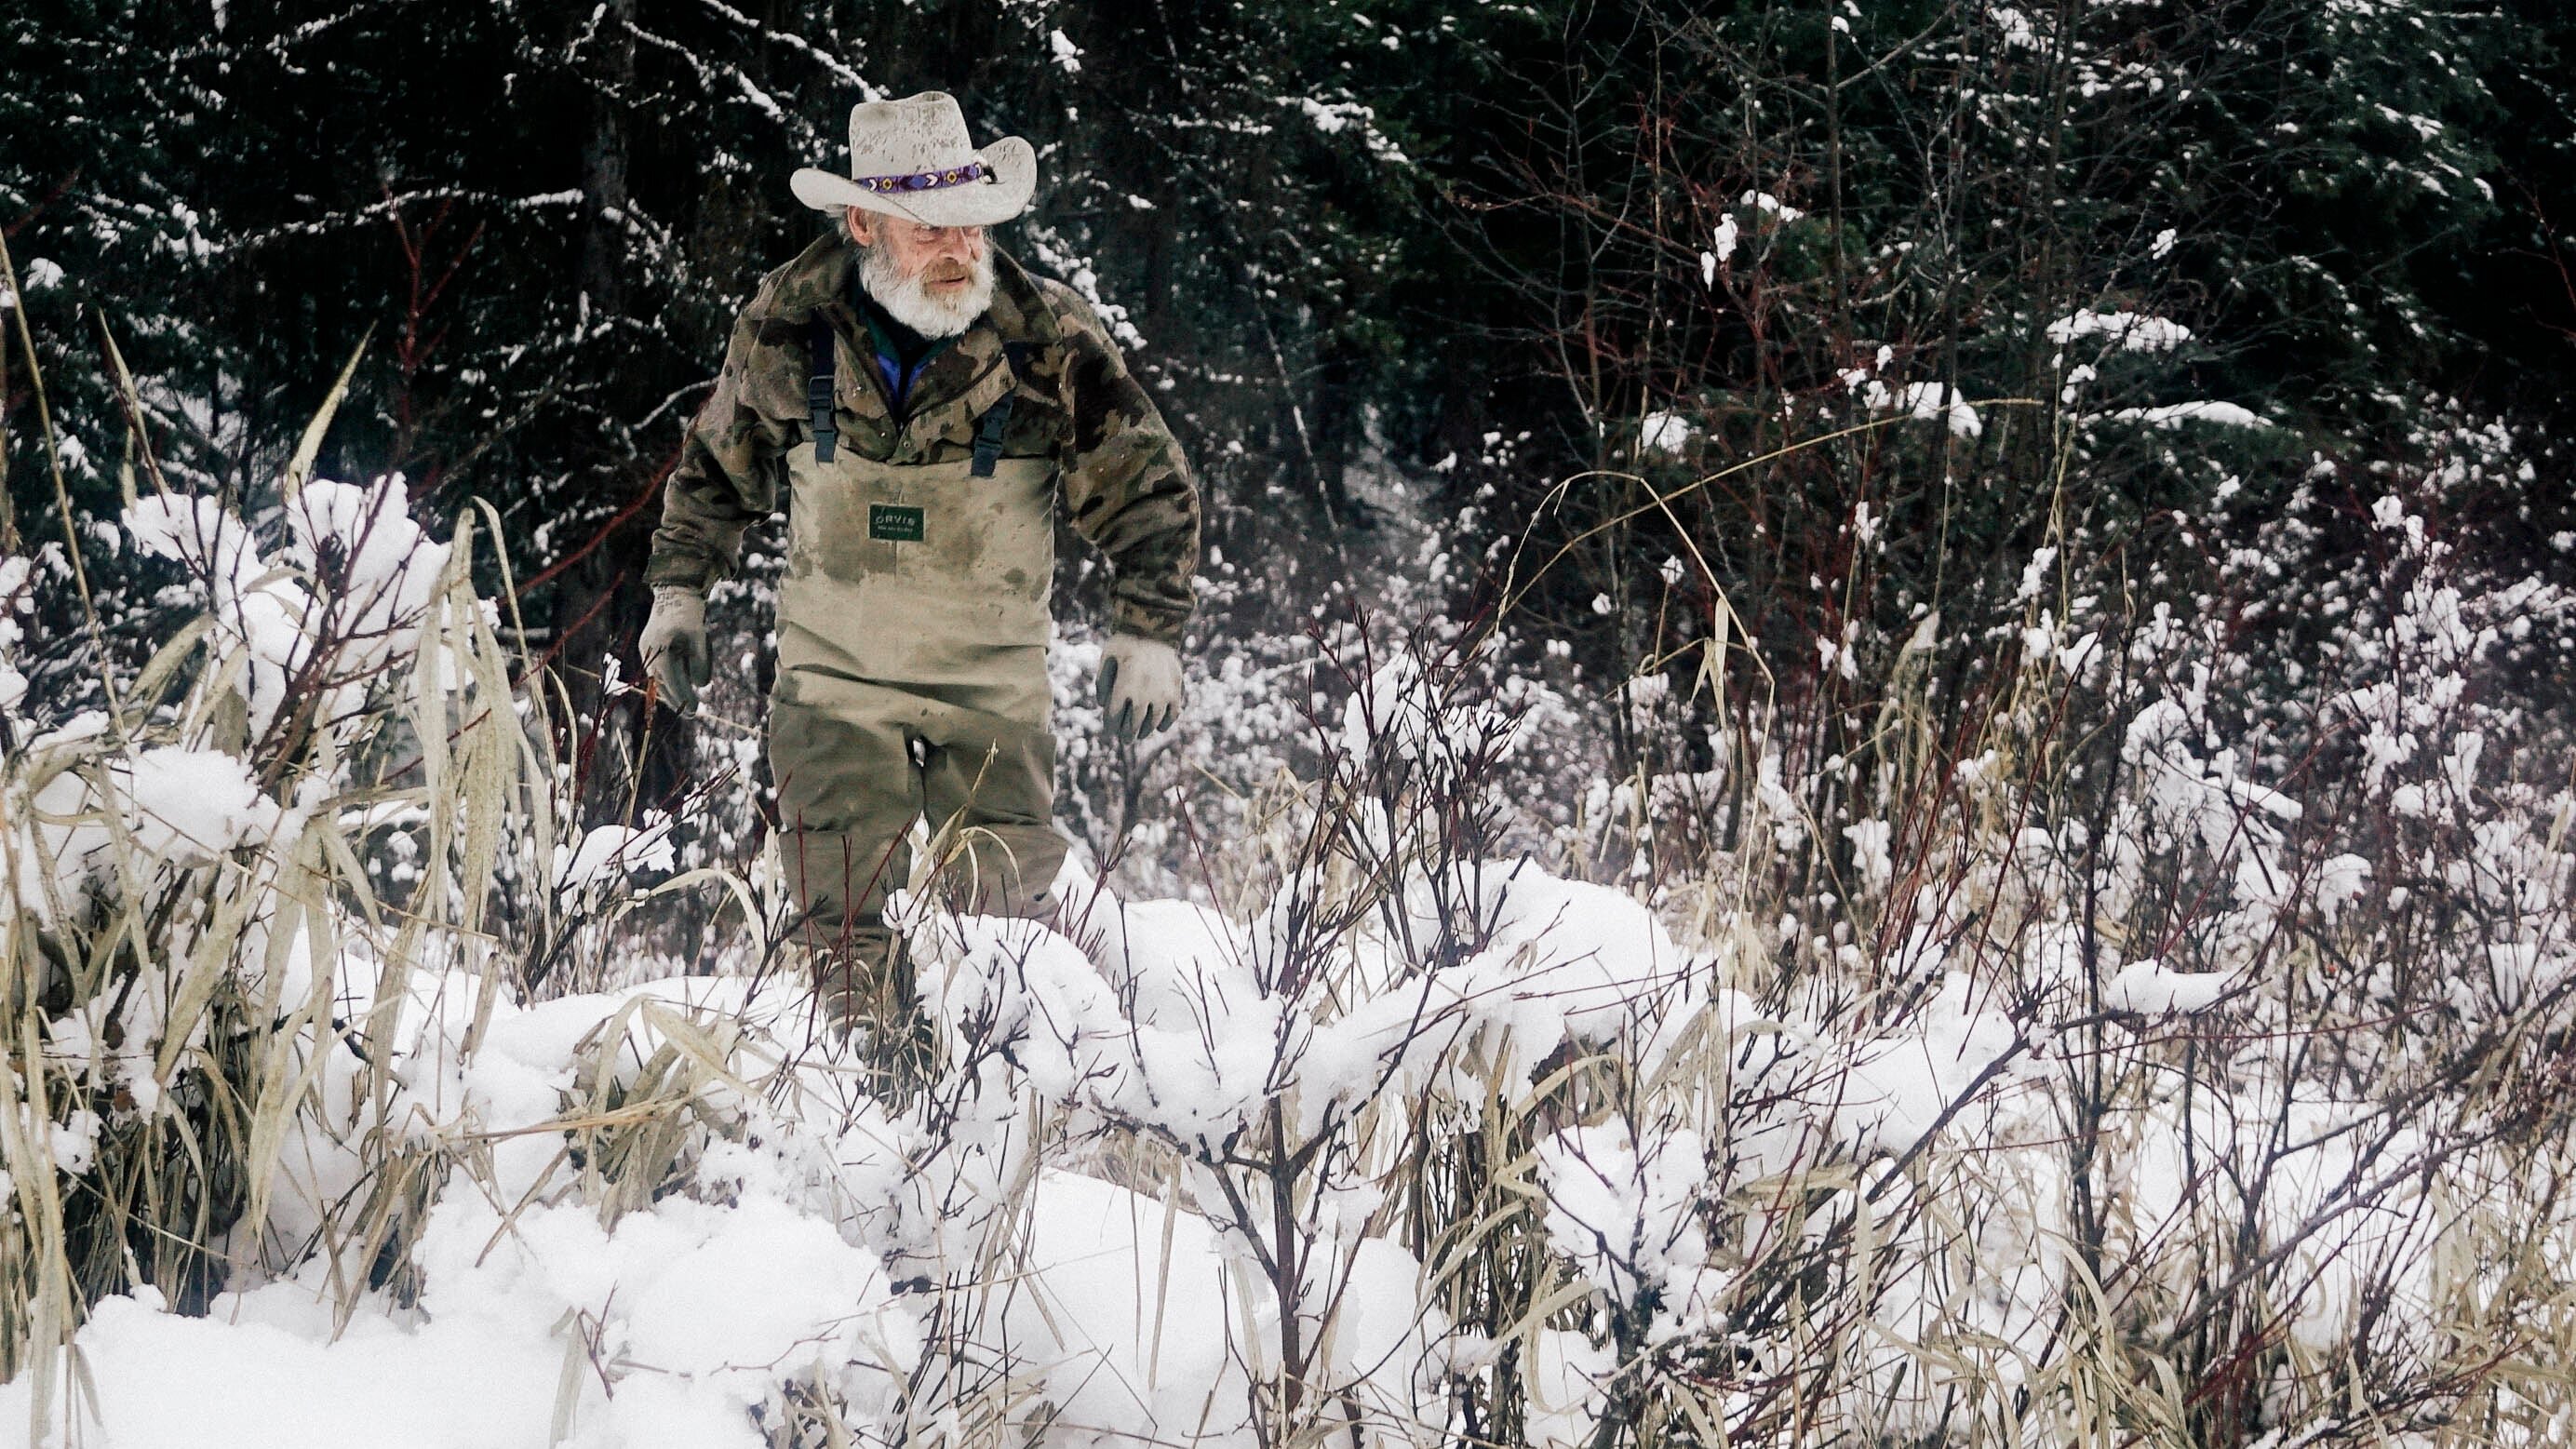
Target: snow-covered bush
<point>2152,1005</point>
<point>194,948</point>
<point>2005,1090</point>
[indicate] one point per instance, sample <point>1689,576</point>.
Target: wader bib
<point>912,633</point>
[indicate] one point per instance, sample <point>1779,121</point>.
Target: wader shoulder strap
<point>988,436</point>
<point>820,386</point>
<point>997,418</point>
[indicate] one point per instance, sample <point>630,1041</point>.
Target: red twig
<point>633,506</point>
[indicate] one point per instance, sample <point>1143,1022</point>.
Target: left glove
<point>1140,685</point>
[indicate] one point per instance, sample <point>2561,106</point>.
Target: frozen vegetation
<point>348,1104</point>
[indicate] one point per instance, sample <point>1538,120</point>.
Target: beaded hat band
<point>928,180</point>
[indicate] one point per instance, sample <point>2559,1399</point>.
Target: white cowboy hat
<point>913,158</point>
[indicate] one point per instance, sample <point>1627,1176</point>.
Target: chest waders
<point>912,632</point>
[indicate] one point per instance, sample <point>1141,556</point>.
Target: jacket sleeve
<point>727,477</point>
<point>1127,488</point>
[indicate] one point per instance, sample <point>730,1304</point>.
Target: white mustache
<point>909,299</point>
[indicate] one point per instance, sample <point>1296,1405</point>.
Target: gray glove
<point>674,645</point>
<point>1140,685</point>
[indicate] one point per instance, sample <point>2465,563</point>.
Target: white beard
<point>910,303</point>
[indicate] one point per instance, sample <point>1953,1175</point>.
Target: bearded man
<point>920,402</point>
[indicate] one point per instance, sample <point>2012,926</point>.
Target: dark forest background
<point>1414,281</point>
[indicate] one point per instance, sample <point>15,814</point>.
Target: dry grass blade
<point>309,446</point>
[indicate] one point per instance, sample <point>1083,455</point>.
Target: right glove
<point>674,645</point>
<point>1140,685</point>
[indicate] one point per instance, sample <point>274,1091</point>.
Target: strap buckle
<point>988,436</point>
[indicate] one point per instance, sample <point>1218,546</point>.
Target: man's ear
<point>854,220</point>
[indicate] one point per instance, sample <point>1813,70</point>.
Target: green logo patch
<point>894,523</point>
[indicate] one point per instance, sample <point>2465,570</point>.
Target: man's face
<point>940,259</point>
<point>935,280</point>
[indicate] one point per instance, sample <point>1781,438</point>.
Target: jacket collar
<point>822,275</point>
<point>820,279</point>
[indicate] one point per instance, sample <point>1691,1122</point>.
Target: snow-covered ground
<point>768,1260</point>
<point>1065,1232</point>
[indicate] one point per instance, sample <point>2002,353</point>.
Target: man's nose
<point>964,243</point>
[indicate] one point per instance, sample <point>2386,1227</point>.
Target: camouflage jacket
<point>1125,486</point>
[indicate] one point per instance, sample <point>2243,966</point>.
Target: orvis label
<point>894,523</point>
